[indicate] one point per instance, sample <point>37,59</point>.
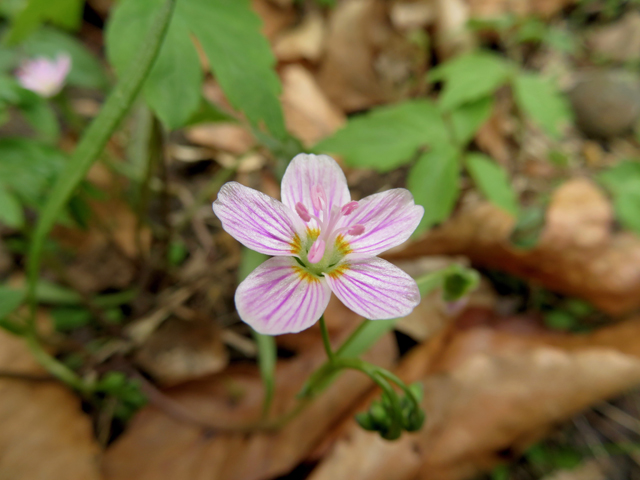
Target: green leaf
<point>470,77</point>
<point>240,57</point>
<point>229,33</point>
<point>387,137</point>
<point>623,181</point>
<point>208,112</point>
<point>539,99</point>
<point>468,118</point>
<point>28,168</point>
<point>66,319</point>
<point>492,180</point>
<point>37,111</point>
<point>10,299</point>
<point>86,70</point>
<point>63,13</point>
<point>11,213</point>
<point>434,182</point>
<point>173,86</point>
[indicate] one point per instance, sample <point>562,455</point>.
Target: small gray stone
<point>606,103</point>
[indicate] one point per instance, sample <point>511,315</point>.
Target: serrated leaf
<point>229,34</point>
<point>468,118</point>
<point>539,99</point>
<point>86,69</point>
<point>63,13</point>
<point>470,77</point>
<point>173,86</point>
<point>492,180</point>
<point>434,183</point>
<point>387,137</point>
<point>11,213</point>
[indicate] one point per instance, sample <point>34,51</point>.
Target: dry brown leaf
<point>493,391</point>
<point>578,253</point>
<point>522,8</point>
<point>228,137</point>
<point>45,435</point>
<point>159,447</point>
<point>618,41</point>
<point>181,350</point>
<point>366,62</point>
<point>304,42</point>
<point>275,18</point>
<point>309,115</point>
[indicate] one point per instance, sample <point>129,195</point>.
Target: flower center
<point>326,246</point>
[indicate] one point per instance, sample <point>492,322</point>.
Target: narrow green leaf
<point>387,137</point>
<point>492,180</point>
<point>434,182</point>
<point>470,77</point>
<point>66,319</point>
<point>11,212</point>
<point>539,99</point>
<point>94,140</point>
<point>267,351</point>
<point>63,13</point>
<point>468,118</point>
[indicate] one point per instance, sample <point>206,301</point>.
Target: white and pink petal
<point>389,218</point>
<point>258,221</point>
<point>280,297</point>
<point>307,171</point>
<point>374,288</point>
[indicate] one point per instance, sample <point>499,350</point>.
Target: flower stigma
<point>326,245</point>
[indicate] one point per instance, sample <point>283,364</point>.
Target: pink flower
<point>44,76</point>
<point>322,242</point>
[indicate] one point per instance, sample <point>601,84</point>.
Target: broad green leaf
<point>239,55</point>
<point>86,69</point>
<point>539,99</point>
<point>11,213</point>
<point>468,118</point>
<point>28,168</point>
<point>623,182</point>
<point>434,183</point>
<point>37,111</point>
<point>173,86</point>
<point>387,137</point>
<point>208,112</point>
<point>63,13</point>
<point>470,77</point>
<point>492,180</point>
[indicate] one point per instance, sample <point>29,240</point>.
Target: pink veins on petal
<point>322,242</point>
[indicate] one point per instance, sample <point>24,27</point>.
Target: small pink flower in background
<point>322,242</point>
<point>44,76</point>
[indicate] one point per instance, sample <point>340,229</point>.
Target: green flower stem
<point>90,146</point>
<point>326,340</point>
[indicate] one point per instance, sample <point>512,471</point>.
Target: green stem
<point>53,366</point>
<point>92,143</point>
<point>326,340</point>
